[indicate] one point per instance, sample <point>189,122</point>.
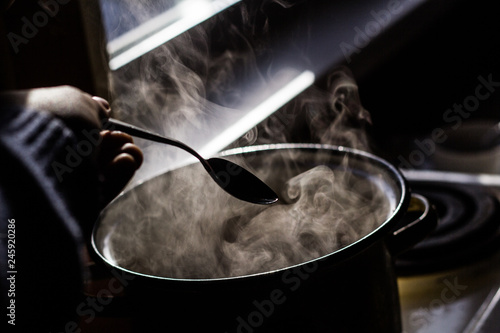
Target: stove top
<point>465,299</point>
<point>450,282</point>
<point>468,228</point>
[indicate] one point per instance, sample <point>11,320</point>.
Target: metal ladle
<point>231,177</point>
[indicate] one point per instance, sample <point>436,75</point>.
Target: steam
<point>332,115</point>
<point>324,217</point>
<point>185,87</point>
<point>181,224</point>
<point>202,232</point>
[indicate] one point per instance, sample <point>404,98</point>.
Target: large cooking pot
<point>351,289</point>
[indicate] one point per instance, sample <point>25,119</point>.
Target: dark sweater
<point>52,219</point>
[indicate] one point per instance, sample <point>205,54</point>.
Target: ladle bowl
<point>231,177</point>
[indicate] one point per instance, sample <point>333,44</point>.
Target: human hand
<point>116,157</point>
<point>77,109</point>
<point>118,160</point>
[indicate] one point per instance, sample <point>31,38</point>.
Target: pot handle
<point>421,219</point>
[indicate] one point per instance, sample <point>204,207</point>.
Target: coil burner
<point>467,231</point>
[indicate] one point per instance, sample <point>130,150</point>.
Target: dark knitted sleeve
<point>52,211</point>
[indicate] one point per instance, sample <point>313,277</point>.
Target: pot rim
<point>378,234</point>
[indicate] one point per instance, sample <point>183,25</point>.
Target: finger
<point>134,151</point>
<point>117,175</point>
<point>104,107</point>
<point>115,138</point>
<point>119,159</point>
<point>111,144</point>
<point>129,156</point>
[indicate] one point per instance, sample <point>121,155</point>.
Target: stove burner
<point>468,228</point>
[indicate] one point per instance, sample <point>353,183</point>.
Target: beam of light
<point>161,29</point>
<point>259,113</point>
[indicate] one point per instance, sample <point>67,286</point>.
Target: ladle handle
<point>118,125</point>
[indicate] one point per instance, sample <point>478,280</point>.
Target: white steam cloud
<point>181,224</point>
